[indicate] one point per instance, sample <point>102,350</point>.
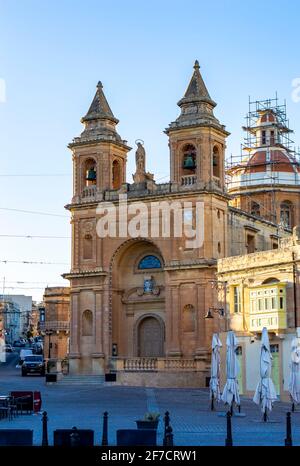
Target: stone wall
<point>163,379</point>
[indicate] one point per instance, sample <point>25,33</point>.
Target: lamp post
<point>217,310</point>
<point>221,311</point>
<point>49,333</point>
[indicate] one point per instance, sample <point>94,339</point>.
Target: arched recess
<point>189,318</point>
<point>189,159</point>
<point>216,162</point>
<point>87,323</point>
<point>116,174</point>
<point>127,280</point>
<point>286,214</point>
<point>270,280</point>
<point>89,172</point>
<point>149,336</point>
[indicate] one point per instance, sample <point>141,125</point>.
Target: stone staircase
<point>82,379</point>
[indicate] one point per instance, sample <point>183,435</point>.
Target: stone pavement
<point>192,421</point>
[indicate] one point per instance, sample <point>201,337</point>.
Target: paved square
<point>192,421</point>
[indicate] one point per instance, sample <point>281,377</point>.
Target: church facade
<point>139,296</point>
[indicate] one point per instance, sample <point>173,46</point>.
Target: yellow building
<point>263,290</point>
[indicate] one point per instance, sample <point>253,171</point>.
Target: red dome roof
<point>280,162</point>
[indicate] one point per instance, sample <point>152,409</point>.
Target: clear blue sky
<point>52,54</point>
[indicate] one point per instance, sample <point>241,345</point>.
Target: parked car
<point>33,364</point>
<point>23,354</point>
<point>7,348</point>
<point>19,344</point>
<point>37,348</point>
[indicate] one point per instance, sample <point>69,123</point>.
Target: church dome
<point>278,160</point>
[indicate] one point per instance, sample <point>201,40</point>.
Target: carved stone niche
<point>137,295</point>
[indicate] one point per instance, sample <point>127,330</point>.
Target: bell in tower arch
<point>189,162</point>
<point>91,174</point>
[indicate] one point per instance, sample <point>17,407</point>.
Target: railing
<point>89,192</point>
<point>156,364</point>
<point>55,325</point>
<point>188,180</point>
<point>140,364</point>
<point>180,364</point>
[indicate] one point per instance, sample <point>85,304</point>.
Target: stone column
<point>98,355</point>
<point>107,322</point>
<point>201,333</point>
<point>173,316</point>
<point>74,355</point>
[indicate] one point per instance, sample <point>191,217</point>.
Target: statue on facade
<point>140,160</point>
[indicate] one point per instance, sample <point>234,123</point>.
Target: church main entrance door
<point>150,338</point>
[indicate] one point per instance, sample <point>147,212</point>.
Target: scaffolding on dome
<point>235,163</point>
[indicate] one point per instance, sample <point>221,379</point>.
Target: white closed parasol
<point>265,393</point>
<point>230,393</point>
<point>294,382</point>
<point>214,384</point>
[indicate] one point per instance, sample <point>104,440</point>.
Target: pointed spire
<point>99,108</point>
<point>196,105</point>
<point>196,90</point>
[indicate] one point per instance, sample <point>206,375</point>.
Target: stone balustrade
<point>55,325</point>
<point>155,364</point>
<point>188,180</point>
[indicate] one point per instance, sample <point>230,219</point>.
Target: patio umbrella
<point>294,383</point>
<point>230,393</point>
<point>214,384</point>
<point>265,393</point>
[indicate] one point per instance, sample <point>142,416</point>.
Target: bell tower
<point>197,139</point>
<point>99,153</point>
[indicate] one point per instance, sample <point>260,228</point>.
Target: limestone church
<point>138,304</point>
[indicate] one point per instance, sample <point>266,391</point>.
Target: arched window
<point>189,158</point>
<point>286,208</point>
<point>149,262</point>
<point>90,172</point>
<point>116,174</point>
<point>87,323</point>
<point>255,209</point>
<point>216,162</point>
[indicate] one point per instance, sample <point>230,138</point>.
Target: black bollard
<point>288,440</point>
<point>212,406</point>
<point>169,437</point>
<point>45,429</point>
<point>105,429</point>
<point>293,407</point>
<point>74,438</point>
<point>265,417</point>
<point>228,440</point>
<point>167,423</point>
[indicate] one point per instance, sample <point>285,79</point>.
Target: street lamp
<point>49,333</point>
<point>218,310</point>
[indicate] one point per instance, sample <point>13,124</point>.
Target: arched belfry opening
<point>89,172</point>
<point>138,300</point>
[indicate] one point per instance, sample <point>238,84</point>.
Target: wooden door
<point>150,344</point>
